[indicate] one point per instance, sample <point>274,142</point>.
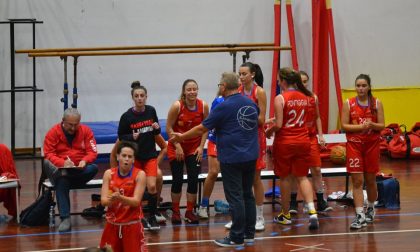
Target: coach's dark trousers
<point>238,179</point>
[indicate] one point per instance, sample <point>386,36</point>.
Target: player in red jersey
<point>122,191</point>
<point>291,143</point>
<point>314,125</point>
<point>160,141</point>
<point>362,118</point>
<point>183,115</point>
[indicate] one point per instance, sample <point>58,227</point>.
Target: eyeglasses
<point>71,125</point>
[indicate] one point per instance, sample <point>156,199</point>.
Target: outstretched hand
<point>175,137</point>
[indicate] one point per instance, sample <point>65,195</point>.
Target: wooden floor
<point>392,231</point>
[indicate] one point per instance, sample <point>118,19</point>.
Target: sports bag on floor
<point>37,214</point>
<point>388,193</point>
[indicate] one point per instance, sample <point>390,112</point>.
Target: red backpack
<point>414,141</point>
<point>386,136</point>
<point>406,144</point>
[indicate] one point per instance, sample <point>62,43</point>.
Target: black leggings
<point>193,169</point>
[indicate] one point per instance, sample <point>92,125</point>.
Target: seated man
<point>8,171</point>
<point>70,150</point>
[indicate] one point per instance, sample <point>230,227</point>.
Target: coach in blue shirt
<point>236,123</point>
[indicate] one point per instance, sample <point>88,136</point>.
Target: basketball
<point>338,155</point>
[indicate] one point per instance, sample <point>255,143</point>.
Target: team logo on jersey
<point>247,117</point>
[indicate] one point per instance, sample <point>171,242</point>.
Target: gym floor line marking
<point>304,247</point>
<point>199,225</point>
<point>258,238</point>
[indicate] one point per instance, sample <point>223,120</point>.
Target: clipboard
<point>69,167</point>
<point>6,180</point>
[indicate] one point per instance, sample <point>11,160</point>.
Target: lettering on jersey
<point>141,124</point>
<point>297,103</point>
<point>247,117</point>
<point>144,130</point>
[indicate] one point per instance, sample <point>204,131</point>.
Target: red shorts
<point>132,237</point>
<point>363,156</point>
<point>211,149</point>
<point>290,159</point>
<point>314,157</point>
<point>262,140</point>
<point>148,166</point>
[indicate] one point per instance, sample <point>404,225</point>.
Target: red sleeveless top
<point>117,212</point>
<point>187,119</point>
<point>294,129</point>
<point>359,114</point>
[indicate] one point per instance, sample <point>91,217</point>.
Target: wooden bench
<point>167,179</point>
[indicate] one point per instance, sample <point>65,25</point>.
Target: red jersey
<point>252,95</point>
<point>359,114</point>
<point>294,128</point>
<point>57,148</point>
<point>118,212</point>
<point>186,120</point>
<point>311,116</point>
<point>261,131</point>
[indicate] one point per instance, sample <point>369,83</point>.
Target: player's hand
<point>136,135</point>
<point>82,164</point>
<point>179,152</point>
<point>321,141</point>
<point>199,153</point>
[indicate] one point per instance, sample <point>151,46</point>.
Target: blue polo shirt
<point>236,123</point>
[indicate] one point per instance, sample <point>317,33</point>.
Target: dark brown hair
<point>292,77</point>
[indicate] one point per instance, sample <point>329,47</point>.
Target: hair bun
<point>135,84</point>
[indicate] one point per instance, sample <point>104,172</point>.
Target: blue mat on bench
<point>107,133</point>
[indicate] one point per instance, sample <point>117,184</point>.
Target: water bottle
<point>221,206</point>
<point>52,216</point>
<point>3,218</point>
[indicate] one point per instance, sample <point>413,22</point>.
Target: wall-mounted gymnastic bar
<point>63,53</point>
<point>145,47</point>
<point>160,51</point>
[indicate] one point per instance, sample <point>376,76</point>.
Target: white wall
<point>379,37</point>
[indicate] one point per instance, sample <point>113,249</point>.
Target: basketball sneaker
<point>160,218</point>
<point>202,212</point>
<point>358,222</point>
<point>313,220</point>
<point>370,215</point>
<point>176,218</point>
<point>153,224</point>
<point>190,217</point>
<point>260,224</point>
<point>284,219</point>
<point>145,224</point>
<point>228,225</point>
<point>322,206</point>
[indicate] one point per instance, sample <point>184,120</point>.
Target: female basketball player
<point>140,124</point>
<point>183,115</point>
<point>122,191</point>
<point>291,143</point>
<point>314,125</point>
<point>362,118</point>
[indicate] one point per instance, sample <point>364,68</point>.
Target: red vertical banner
<point>320,74</point>
<point>334,57</point>
<point>291,28</point>
<point>276,54</point>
